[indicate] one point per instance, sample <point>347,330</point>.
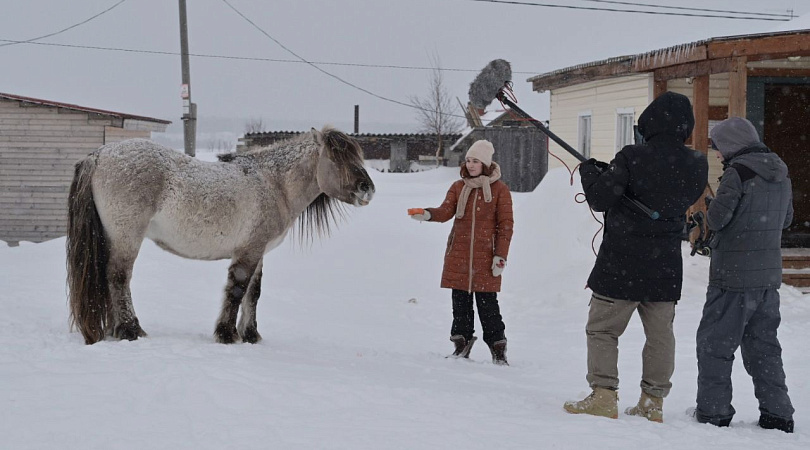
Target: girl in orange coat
<point>476,249</point>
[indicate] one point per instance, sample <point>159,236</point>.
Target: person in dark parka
<point>752,207</point>
<point>639,265</point>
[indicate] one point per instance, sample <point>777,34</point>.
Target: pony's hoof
<point>251,336</point>
<point>129,330</point>
<point>226,334</point>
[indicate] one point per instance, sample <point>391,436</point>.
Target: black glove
<point>592,168</point>
<point>708,200</point>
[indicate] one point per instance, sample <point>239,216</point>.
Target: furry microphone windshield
<point>488,83</point>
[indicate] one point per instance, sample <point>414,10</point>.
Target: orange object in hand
<point>412,211</point>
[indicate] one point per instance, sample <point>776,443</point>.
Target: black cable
<point>658,13</point>
<point>66,29</point>
<point>248,58</point>
<point>330,74</point>
<point>684,8</point>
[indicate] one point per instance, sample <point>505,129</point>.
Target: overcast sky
<point>464,34</point>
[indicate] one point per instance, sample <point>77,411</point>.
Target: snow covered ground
<point>355,332</point>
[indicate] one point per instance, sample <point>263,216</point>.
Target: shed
<point>520,149</point>
<point>40,141</point>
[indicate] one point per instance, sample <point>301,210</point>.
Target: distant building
<point>520,148</point>
<point>40,141</point>
<point>400,149</point>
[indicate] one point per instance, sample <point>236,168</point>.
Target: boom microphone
<point>486,86</point>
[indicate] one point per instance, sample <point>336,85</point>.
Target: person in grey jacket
<point>752,206</point>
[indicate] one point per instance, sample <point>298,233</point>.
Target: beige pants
<point>607,320</point>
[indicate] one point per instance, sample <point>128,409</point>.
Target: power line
<point>328,73</point>
<point>658,13</point>
<point>790,16</point>
<point>247,58</point>
<point>63,30</point>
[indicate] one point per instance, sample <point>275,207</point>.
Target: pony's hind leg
<point>239,276</point>
<point>125,243</point>
<point>125,322</point>
<point>247,322</point>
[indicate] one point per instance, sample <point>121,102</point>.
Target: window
<point>624,127</point>
<point>584,134</point>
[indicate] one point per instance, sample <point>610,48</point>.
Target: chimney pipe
<point>356,119</point>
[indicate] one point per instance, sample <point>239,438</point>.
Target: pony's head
<point>341,174</point>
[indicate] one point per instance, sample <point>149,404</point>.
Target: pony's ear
<point>318,137</point>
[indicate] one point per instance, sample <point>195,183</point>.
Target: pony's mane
<point>344,150</point>
<point>324,212</point>
<point>258,151</point>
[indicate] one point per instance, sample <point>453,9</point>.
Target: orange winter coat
<point>484,231</point>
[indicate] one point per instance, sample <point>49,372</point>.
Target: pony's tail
<point>87,258</point>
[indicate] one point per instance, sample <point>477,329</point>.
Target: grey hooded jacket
<point>754,203</point>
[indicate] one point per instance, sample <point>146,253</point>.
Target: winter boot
<point>498,350</point>
<point>463,346</point>
<point>770,422</point>
<point>652,408</point>
<point>702,418</point>
<point>602,402</point>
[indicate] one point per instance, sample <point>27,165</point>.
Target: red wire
<point>509,93</point>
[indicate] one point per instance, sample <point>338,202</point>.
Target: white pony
<point>239,208</point>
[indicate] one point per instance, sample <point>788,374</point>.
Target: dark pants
<point>747,320</point>
<point>488,310</point>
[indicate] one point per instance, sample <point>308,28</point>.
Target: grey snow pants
<point>747,320</point>
<point>607,320</point>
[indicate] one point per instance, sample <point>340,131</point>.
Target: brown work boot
<point>602,402</point>
<point>463,346</point>
<point>650,407</point>
<point>498,350</point>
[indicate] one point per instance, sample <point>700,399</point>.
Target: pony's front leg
<point>247,322</point>
<point>239,275</point>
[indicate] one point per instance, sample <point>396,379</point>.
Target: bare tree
<point>254,125</point>
<point>435,111</point>
<point>219,145</point>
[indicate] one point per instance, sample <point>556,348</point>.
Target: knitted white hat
<point>482,150</point>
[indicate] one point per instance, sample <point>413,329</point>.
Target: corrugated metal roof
<point>38,101</point>
<point>361,135</point>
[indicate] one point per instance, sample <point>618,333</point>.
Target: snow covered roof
<point>38,101</point>
<point>670,56</point>
<point>490,118</point>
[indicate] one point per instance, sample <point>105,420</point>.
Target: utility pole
<point>189,108</point>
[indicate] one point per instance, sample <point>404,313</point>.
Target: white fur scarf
<point>480,181</point>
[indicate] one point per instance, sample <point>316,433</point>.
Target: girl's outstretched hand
<point>419,214</point>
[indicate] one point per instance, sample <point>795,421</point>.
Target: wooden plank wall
<point>38,147</point>
<point>601,99</point>
<point>116,134</point>
<point>522,153</point>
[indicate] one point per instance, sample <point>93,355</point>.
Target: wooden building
<point>763,77</point>
<point>520,148</point>
<point>416,146</point>
<point>40,141</point>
